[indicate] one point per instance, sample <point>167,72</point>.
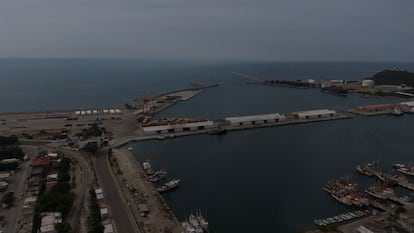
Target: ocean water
<point>261,180</point>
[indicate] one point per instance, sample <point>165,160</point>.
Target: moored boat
<point>169,186</point>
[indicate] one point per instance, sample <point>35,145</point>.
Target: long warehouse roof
<point>177,126</point>
<point>255,117</point>
<point>315,112</point>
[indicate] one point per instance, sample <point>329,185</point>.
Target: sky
<point>283,30</point>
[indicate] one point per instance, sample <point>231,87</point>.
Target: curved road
<point>117,204</point>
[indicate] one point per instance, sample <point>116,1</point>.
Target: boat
<point>406,170</point>
<point>158,175</point>
<point>385,179</point>
<point>202,221</point>
<point>147,168</point>
<point>397,112</point>
<point>196,223</point>
<point>157,178</point>
<point>168,186</point>
<point>379,192</point>
<point>188,228</point>
<point>130,148</point>
<point>368,169</point>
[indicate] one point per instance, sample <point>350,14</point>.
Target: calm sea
<point>262,180</point>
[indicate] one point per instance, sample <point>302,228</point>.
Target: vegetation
<point>63,227</point>
<point>91,147</point>
<point>393,77</point>
<point>94,219</point>
<point>11,151</point>
<point>63,170</point>
<point>93,131</point>
<point>8,198</point>
<point>9,166</point>
<point>11,140</point>
<point>59,198</point>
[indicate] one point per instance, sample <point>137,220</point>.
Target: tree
<point>8,198</point>
<point>91,147</point>
<point>63,227</point>
<point>11,140</point>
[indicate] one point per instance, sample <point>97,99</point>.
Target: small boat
<point>158,175</point>
<point>397,112</point>
<point>147,168</point>
<point>130,148</point>
<point>169,186</point>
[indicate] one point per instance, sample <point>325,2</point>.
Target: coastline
<point>137,189</point>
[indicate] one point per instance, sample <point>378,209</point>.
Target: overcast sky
<point>367,30</point>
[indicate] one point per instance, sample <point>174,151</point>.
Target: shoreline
<point>134,178</point>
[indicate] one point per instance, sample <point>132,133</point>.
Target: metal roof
<point>177,126</point>
<point>255,117</point>
<point>315,112</point>
<point>143,207</point>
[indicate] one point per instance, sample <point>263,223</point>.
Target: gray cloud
<point>371,30</point>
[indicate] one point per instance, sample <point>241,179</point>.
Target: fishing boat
<point>169,186</point>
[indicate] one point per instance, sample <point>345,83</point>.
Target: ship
<point>344,200</point>
<point>386,180</point>
<point>379,192</point>
<point>397,112</point>
<point>369,169</point>
<point>147,168</point>
<point>168,186</point>
<point>158,175</point>
<point>196,223</point>
<point>345,192</point>
<point>406,170</point>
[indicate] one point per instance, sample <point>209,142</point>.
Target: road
<point>17,185</point>
<point>74,214</point>
<point>119,211</point>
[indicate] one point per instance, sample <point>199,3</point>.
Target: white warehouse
<point>314,114</point>
<point>255,119</point>
<point>176,128</point>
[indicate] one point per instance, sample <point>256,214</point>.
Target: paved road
<point>18,187</point>
<point>117,206</point>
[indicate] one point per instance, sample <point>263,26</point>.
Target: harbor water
<point>261,180</point>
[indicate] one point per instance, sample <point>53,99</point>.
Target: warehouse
<point>378,107</point>
<point>255,119</point>
<point>175,128</point>
<point>314,114</point>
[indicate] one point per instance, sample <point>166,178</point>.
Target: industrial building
<point>379,107</point>
<point>176,128</point>
<point>367,83</point>
<point>49,221</point>
<point>98,112</point>
<point>255,119</point>
<point>314,114</point>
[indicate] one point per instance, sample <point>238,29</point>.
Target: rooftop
<point>42,161</point>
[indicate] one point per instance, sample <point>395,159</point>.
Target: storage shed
<point>255,119</point>
<point>314,114</point>
<point>175,128</point>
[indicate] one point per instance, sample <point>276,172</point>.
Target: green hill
<point>393,77</point>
